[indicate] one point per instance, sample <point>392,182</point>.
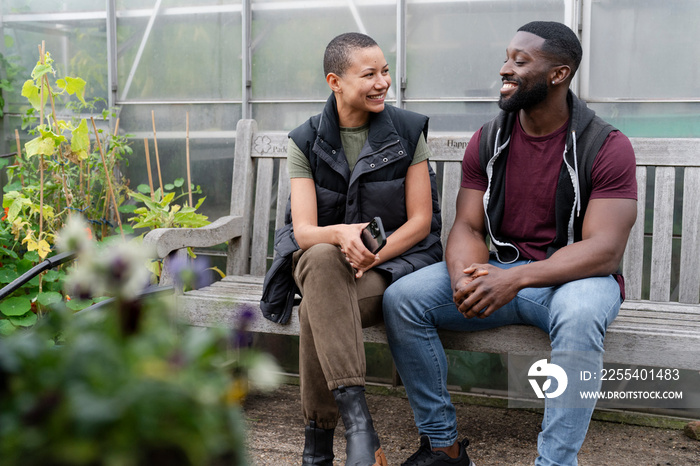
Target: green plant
<point>161,210</point>
<point>126,384</point>
<point>57,175</point>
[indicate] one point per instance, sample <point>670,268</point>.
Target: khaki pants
<point>334,309</point>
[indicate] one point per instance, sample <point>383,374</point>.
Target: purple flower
<point>191,273</point>
<point>245,315</point>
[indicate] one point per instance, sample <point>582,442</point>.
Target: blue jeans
<point>575,315</point>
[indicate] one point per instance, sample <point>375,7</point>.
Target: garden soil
<point>498,436</point>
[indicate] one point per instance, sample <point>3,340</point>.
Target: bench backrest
<point>666,258</point>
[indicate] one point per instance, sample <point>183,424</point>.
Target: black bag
<point>279,287</point>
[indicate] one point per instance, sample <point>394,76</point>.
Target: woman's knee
<point>323,260</point>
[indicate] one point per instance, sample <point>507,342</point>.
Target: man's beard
<point>524,98</point>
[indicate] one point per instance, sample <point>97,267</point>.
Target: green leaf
<point>40,146</point>
<point>73,86</point>
<point>27,320</point>
<point>15,306</point>
<point>14,186</point>
<point>190,219</point>
<point>179,182</point>
<point>52,275</point>
<point>57,138</point>
<point>127,208</point>
<point>143,188</point>
<point>6,328</point>
<point>9,252</point>
<point>40,70</point>
<point>32,256</point>
<point>7,275</point>
<point>32,93</point>
<point>47,298</point>
<point>80,141</point>
<point>128,229</point>
<point>169,187</point>
<point>15,209</point>
<point>167,199</point>
<point>199,203</point>
<point>77,305</point>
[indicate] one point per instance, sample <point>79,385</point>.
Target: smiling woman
<point>357,160</point>
<point>362,88</point>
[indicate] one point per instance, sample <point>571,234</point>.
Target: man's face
<point>524,73</point>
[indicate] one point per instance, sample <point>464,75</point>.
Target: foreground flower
<point>75,236</point>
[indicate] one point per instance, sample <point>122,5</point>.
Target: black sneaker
<point>425,456</point>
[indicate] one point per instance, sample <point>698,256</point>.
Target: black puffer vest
<point>585,136</point>
<point>375,187</point>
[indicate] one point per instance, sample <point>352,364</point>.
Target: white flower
<point>76,235</point>
<point>264,373</point>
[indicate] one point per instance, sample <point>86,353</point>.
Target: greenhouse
<point>122,118</point>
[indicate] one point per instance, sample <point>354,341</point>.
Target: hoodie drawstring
<point>577,186</point>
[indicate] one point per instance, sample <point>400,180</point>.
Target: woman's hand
<point>355,251</point>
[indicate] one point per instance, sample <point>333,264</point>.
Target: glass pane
<point>645,49</point>
<point>211,152</point>
<point>289,41</point>
<point>52,6</point>
<point>170,120</point>
<point>456,116</point>
<point>189,53</point>
<point>455,49</point>
<point>77,46</point>
<point>284,116</point>
<point>652,120</point>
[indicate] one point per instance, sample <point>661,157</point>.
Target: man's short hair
<point>336,59</point>
<point>559,41</point>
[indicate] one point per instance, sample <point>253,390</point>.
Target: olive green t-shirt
<point>353,139</point>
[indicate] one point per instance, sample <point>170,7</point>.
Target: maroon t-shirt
<point>532,173</point>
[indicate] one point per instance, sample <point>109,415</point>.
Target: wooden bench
<point>661,329</point>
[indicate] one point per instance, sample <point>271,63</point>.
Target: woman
<point>357,160</point>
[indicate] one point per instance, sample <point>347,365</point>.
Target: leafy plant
<point>57,175</point>
<point>127,384</point>
<point>161,210</point>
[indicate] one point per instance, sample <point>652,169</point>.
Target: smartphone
<point>373,235</point>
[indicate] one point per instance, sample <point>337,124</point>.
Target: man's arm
<point>606,227</point>
<point>466,243</point>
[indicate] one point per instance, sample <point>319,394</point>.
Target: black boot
<point>318,446</point>
<point>363,447</point>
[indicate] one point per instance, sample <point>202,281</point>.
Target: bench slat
<point>668,152</point>
<point>689,288</point>
<point>451,181</point>
<point>242,196</point>
<point>664,189</point>
<point>632,261</point>
<point>283,191</point>
<point>261,217</point>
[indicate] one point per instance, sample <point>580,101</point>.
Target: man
<point>554,187</point>
<point>357,160</point>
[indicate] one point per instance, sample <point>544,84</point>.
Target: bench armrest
<point>166,240</point>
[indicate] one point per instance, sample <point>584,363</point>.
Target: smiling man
<point>554,188</point>
<point>357,160</point>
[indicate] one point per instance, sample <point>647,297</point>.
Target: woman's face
<point>363,87</point>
